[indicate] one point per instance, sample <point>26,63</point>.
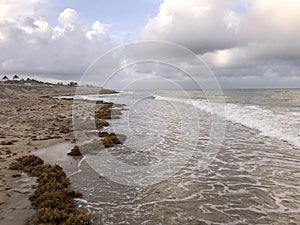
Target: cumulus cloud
<point>11,10</point>
<point>209,25</point>
<point>241,40</point>
<point>68,17</point>
<point>30,44</point>
<point>233,36</point>
<point>202,25</point>
<point>98,29</point>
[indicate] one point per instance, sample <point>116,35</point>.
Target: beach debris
<point>7,151</point>
<point>16,175</point>
<point>6,143</point>
<point>75,151</point>
<point>26,163</point>
<point>101,123</point>
<point>104,111</point>
<point>103,134</point>
<point>113,139</point>
<point>64,129</point>
<point>53,199</point>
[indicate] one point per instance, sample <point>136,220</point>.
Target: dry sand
<point>30,119</point>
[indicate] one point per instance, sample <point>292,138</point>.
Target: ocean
<point>232,160</point>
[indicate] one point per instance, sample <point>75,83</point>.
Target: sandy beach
<point>203,127</point>
<point>30,119</point>
<point>253,179</point>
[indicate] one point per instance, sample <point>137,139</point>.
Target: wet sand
<point>30,119</point>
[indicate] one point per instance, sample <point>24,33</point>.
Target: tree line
<point>17,80</point>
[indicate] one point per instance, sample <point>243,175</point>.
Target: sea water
<point>251,176</point>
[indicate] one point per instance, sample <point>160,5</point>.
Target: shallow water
<point>252,179</point>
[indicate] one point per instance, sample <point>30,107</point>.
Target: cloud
<point>68,17</point>
<point>241,40</point>
<point>30,44</point>
<point>98,29</point>
<point>12,10</point>
<point>238,37</point>
<point>212,25</point>
<point>269,78</point>
<point>201,25</point>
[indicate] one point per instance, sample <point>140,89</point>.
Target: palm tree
<point>15,77</point>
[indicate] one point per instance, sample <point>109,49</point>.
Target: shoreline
<point>30,120</point>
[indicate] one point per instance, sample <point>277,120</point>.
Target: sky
<point>245,43</point>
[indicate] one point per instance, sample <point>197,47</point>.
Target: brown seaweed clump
<point>113,139</point>
<point>75,151</point>
<point>101,123</point>
<point>26,163</point>
<point>53,199</point>
<point>104,110</point>
<point>103,134</point>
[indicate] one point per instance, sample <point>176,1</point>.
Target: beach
<point>251,178</point>
<point>31,118</point>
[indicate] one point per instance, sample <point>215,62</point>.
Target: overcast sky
<point>246,43</point>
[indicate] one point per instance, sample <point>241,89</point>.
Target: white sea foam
<point>270,123</point>
<point>283,126</point>
<point>89,97</point>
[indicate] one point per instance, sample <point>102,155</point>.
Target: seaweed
<point>113,139</point>
<point>75,151</point>
<point>53,199</point>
